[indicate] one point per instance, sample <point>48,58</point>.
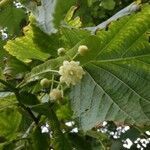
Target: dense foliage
<point>74,74</point>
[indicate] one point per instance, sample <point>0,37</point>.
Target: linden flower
<point>55,94</point>
<point>71,72</point>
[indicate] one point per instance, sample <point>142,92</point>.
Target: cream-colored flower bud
<point>61,51</point>
<point>45,83</point>
<point>71,72</point>
<point>55,94</point>
<point>82,50</point>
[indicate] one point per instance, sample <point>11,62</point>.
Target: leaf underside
<point>117,81</point>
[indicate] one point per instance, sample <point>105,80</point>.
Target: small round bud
<point>82,50</point>
<point>45,83</point>
<point>55,94</point>
<point>61,51</point>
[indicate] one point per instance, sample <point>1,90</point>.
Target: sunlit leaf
<point>24,48</point>
<point>9,122</point>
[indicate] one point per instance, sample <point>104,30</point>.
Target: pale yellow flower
<point>71,72</point>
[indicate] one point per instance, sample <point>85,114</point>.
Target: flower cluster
<point>45,128</point>
<point>71,72</point>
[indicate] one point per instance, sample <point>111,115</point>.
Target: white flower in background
<point>70,123</point>
<point>45,128</point>
<point>4,35</point>
<point>104,123</point>
<point>17,4</point>
<point>148,133</point>
<point>55,94</point>
<point>127,143</point>
<point>71,72</point>
<point>74,130</point>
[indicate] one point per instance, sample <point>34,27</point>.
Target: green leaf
<point>132,134</point>
<point>61,9</point>
<point>14,68</point>
<point>76,23</point>
<point>7,100</point>
<point>108,4</point>
<point>39,140</point>
<point>70,13</point>
<point>50,13</point>
<point>60,142</point>
<point>117,81</point>
<point>2,52</point>
<point>80,142</point>
<point>116,145</point>
<point>7,146</point>
<point>64,112</point>
<point>73,36</point>
<point>9,122</point>
<point>12,18</point>
<point>28,98</point>
<point>24,48</point>
<point>90,2</point>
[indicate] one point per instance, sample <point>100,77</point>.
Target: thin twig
<point>35,119</point>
